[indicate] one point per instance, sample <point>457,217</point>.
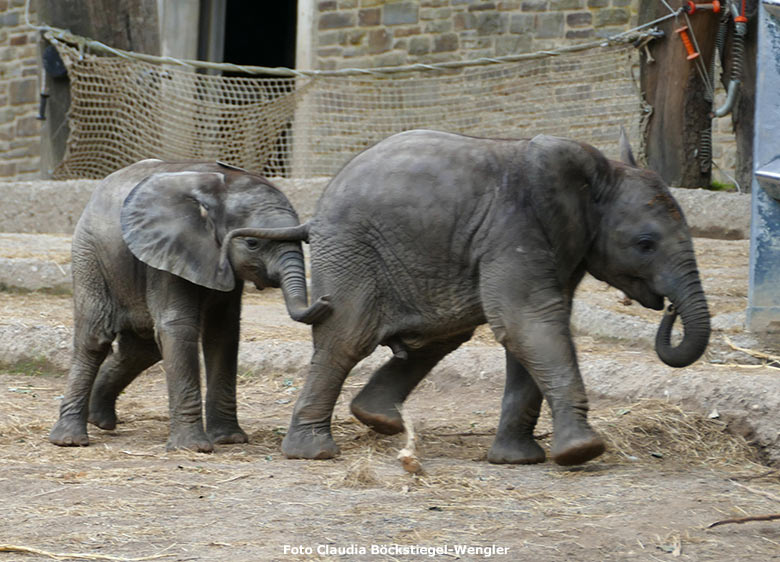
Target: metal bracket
<point>768,177</point>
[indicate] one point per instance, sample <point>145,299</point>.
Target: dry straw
<point>654,430</point>
<point>77,556</point>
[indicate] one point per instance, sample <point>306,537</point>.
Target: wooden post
<point>127,24</point>
<point>304,60</point>
<point>674,89</point>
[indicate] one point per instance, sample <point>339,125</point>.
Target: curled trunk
<point>292,272</point>
<point>691,305</point>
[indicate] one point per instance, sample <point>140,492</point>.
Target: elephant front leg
<point>514,443</point>
<point>546,350</point>
<point>179,346</point>
<point>529,315</point>
<point>221,328</point>
<point>175,305</point>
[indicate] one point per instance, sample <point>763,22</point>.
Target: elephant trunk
<point>293,284</point>
<point>299,233</point>
<point>689,303</point>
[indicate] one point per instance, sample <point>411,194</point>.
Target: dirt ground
<point>669,472</point>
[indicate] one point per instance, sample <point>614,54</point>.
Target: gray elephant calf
<point>427,235</point>
<point>160,256</point>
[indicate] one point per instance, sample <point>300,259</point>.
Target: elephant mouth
<point>638,289</point>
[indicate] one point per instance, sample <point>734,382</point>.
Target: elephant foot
<point>577,448</point>
<point>377,415</point>
<point>525,451</point>
<point>309,443</point>
<point>226,434</point>
<point>69,432</point>
<point>104,418</point>
<point>191,437</point>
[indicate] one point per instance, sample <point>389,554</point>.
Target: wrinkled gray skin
<point>160,255</point>
<point>427,235</point>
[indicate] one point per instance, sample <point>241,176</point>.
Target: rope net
<point>123,110</point>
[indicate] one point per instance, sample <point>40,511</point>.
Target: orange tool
<point>686,39</point>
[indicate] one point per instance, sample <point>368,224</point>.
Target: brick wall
<point>365,33</point>
<point>19,129</point>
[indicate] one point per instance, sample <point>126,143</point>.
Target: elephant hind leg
<point>71,427</point>
<point>133,355</point>
<point>376,405</point>
<point>309,435</point>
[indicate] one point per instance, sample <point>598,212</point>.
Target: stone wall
<point>20,137</point>
<point>366,33</point>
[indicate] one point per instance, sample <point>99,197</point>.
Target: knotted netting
<point>124,109</point>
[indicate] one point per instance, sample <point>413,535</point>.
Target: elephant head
<point>211,227</point>
<point>643,247</point>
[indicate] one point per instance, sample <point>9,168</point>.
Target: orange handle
<point>686,39</point>
<point>741,17</point>
<point>692,7</point>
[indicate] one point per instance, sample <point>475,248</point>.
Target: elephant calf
<point>426,235</point>
<point>160,255</point>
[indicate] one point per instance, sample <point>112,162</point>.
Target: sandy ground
<point>667,476</point>
<point>669,473</point>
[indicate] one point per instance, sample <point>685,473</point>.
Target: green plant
<point>722,186</point>
<point>33,366</point>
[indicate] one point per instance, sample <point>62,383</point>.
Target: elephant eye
<point>646,244</point>
<point>251,243</point>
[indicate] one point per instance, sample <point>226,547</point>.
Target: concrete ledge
<point>35,275</point>
<point>34,262</point>
<point>43,206</point>
<point>715,214</point>
<point>54,207</point>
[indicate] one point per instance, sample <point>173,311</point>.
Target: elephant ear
<point>626,154</point>
<point>174,222</point>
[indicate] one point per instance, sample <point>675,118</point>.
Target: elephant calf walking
<point>427,235</point>
<point>160,255</point>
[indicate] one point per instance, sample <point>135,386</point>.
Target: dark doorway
<point>260,33</point>
<point>255,33</point>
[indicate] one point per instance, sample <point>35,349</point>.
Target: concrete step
<point>35,262</point>
<point>41,262</point>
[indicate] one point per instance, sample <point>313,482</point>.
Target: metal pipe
<point>731,96</point>
<point>737,57</point>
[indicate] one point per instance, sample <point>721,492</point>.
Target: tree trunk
<point>125,24</point>
<point>674,89</point>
